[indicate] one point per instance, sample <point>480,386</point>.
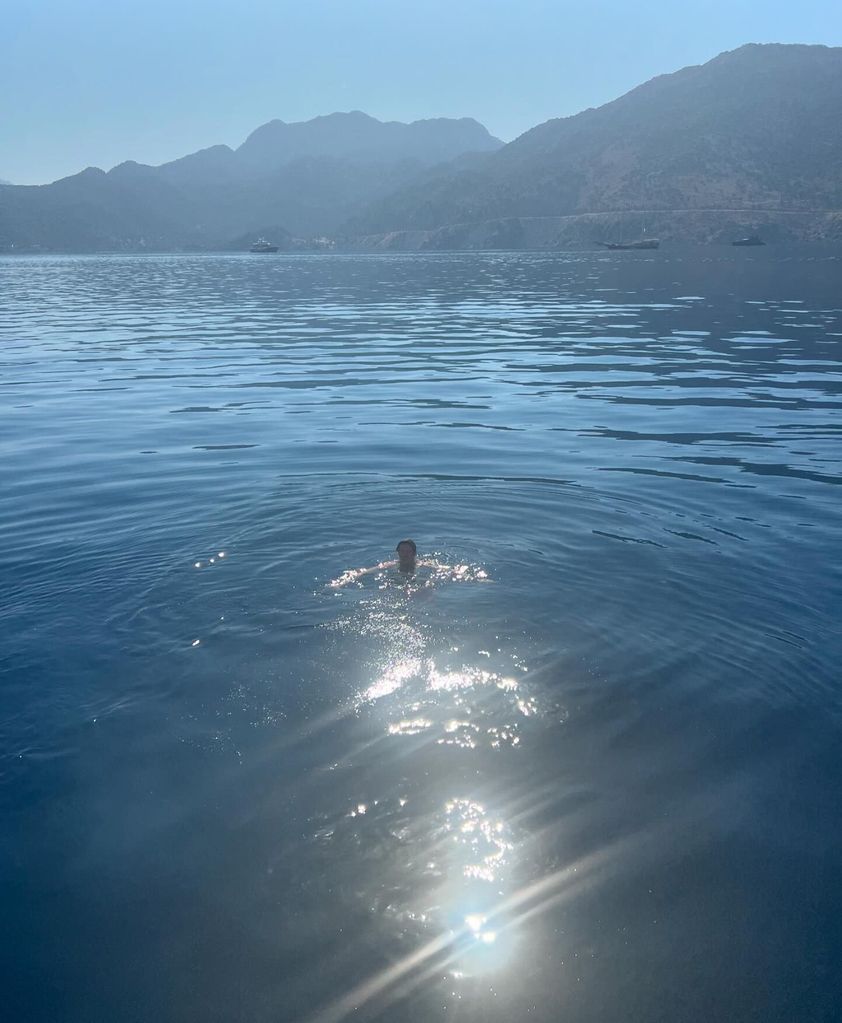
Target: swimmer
<point>407,557</point>
<point>407,562</point>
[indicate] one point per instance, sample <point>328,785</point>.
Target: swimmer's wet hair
<point>411,544</point>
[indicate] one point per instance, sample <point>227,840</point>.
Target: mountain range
<point>308,176</point>
<point>751,139</point>
<point>757,130</point>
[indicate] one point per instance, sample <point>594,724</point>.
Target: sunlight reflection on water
<point>422,687</point>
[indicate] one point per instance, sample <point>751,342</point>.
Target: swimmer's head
<point>406,555</point>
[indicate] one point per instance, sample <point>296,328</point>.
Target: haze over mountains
<point>753,137</point>
<point>759,128</point>
<point>305,178</point>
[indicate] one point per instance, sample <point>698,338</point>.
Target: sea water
<point>586,765</point>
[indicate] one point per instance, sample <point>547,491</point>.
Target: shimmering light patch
<point>410,726</point>
<point>458,573</point>
<point>457,702</point>
<point>506,735</point>
<point>526,706</point>
<point>392,679</point>
<point>467,678</point>
<point>508,685</point>
<point>460,733</point>
<point>482,840</point>
<point>464,679</point>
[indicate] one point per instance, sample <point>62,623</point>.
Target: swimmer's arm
<point>353,574</point>
<point>458,573</point>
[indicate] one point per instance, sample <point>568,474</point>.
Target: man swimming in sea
<point>407,556</point>
<point>407,562</point>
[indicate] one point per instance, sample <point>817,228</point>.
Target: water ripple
<point>286,799</point>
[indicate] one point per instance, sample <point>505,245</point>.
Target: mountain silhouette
<point>757,128</point>
<point>308,176</point>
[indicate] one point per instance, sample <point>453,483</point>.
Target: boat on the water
<point>752,239</point>
<point>261,245</point>
<point>642,243</point>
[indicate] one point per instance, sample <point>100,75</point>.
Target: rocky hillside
<point>309,177</point>
<point>758,128</point>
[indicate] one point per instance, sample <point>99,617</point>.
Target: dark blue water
<point>602,784</point>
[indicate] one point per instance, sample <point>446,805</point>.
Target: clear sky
<point>95,82</point>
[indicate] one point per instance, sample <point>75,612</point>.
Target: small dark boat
<point>261,245</point>
<point>752,239</point>
<point>643,243</point>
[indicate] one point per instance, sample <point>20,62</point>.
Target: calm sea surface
<point>587,767</point>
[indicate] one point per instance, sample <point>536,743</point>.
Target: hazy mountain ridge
<point>309,176</point>
<point>754,128</point>
<point>357,136</point>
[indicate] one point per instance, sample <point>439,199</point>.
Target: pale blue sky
<point>94,82</point>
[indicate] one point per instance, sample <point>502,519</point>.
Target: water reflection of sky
<point>604,780</point>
